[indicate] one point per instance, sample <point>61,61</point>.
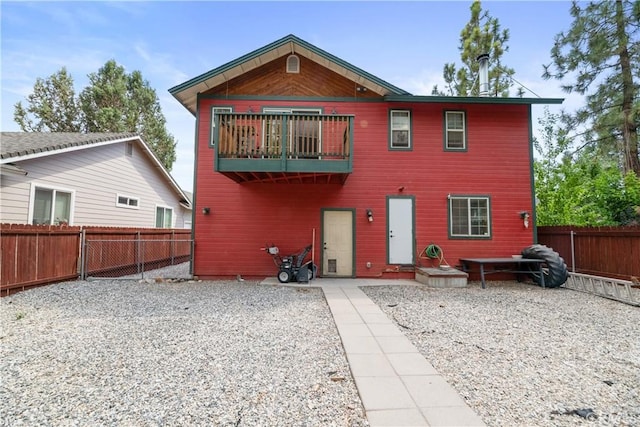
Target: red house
<point>296,146</point>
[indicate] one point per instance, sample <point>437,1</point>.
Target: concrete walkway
<point>397,385</point>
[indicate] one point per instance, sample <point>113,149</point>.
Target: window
<point>127,202</point>
<point>164,217</point>
<point>455,131</point>
<point>51,206</point>
<point>293,64</point>
<point>305,131</point>
<point>469,217</point>
<point>214,111</point>
<point>128,149</point>
<point>400,129</point>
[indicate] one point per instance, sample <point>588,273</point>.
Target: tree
<point>481,35</point>
<point>114,101</point>
<point>51,107</point>
<point>579,188</point>
<point>600,52</point>
<point>119,102</point>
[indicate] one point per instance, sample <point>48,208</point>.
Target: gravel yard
<point>127,353</point>
<point>521,355</point>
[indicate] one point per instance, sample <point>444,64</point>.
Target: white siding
<point>96,175</point>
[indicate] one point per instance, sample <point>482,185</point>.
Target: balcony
<point>283,147</point>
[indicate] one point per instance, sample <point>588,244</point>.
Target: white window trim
<point>127,206</point>
<point>32,198</point>
<point>463,130</point>
<point>468,199</point>
<point>293,64</point>
<point>391,129</point>
<point>215,110</point>
<point>165,207</point>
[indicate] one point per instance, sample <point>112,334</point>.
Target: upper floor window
<point>128,149</point>
<point>455,137</point>
<point>214,112</point>
<point>51,206</point>
<point>400,129</point>
<point>469,216</point>
<point>293,64</point>
<point>127,201</point>
<point>304,131</point>
<point>164,217</point>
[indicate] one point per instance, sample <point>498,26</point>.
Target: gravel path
<point>525,356</point>
<point>129,353</point>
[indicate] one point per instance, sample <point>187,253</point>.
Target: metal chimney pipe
<point>483,60</point>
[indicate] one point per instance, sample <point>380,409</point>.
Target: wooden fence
<point>603,251</point>
<point>33,255</point>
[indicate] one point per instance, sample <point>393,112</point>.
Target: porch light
<point>525,218</point>
<point>370,215</point>
<point>205,211</point>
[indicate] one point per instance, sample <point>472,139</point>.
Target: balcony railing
<point>313,143</point>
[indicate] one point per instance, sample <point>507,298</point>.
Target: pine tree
<point>601,54</point>
<point>582,189</point>
<point>52,106</point>
<point>481,35</point>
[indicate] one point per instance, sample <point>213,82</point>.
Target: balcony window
<point>214,112</point>
<point>304,135</point>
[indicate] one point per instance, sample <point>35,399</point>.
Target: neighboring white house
<point>98,179</point>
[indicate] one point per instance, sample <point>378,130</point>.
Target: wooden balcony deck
<point>271,147</point>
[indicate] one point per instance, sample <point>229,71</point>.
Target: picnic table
<point>502,265</point>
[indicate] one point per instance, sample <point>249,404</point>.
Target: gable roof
<point>187,92</point>
<point>19,146</point>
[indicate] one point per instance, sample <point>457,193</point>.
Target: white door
<point>400,230</point>
<point>337,243</point>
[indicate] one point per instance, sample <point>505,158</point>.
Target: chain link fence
<point>136,259</point>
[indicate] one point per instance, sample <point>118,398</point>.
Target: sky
<point>170,42</point>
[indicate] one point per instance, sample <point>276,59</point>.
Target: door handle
<point>324,246</point>
<point>390,233</point>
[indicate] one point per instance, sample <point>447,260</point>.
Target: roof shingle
<point>15,144</point>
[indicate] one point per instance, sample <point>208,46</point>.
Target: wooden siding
<point>96,175</point>
<point>245,217</point>
<point>272,79</point>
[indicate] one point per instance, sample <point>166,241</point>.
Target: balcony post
<point>284,140</point>
<point>349,149</point>
<point>215,141</point>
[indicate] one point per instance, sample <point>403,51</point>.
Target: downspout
<point>534,216</point>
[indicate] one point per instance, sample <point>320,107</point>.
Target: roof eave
<point>186,93</point>
<point>471,99</point>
